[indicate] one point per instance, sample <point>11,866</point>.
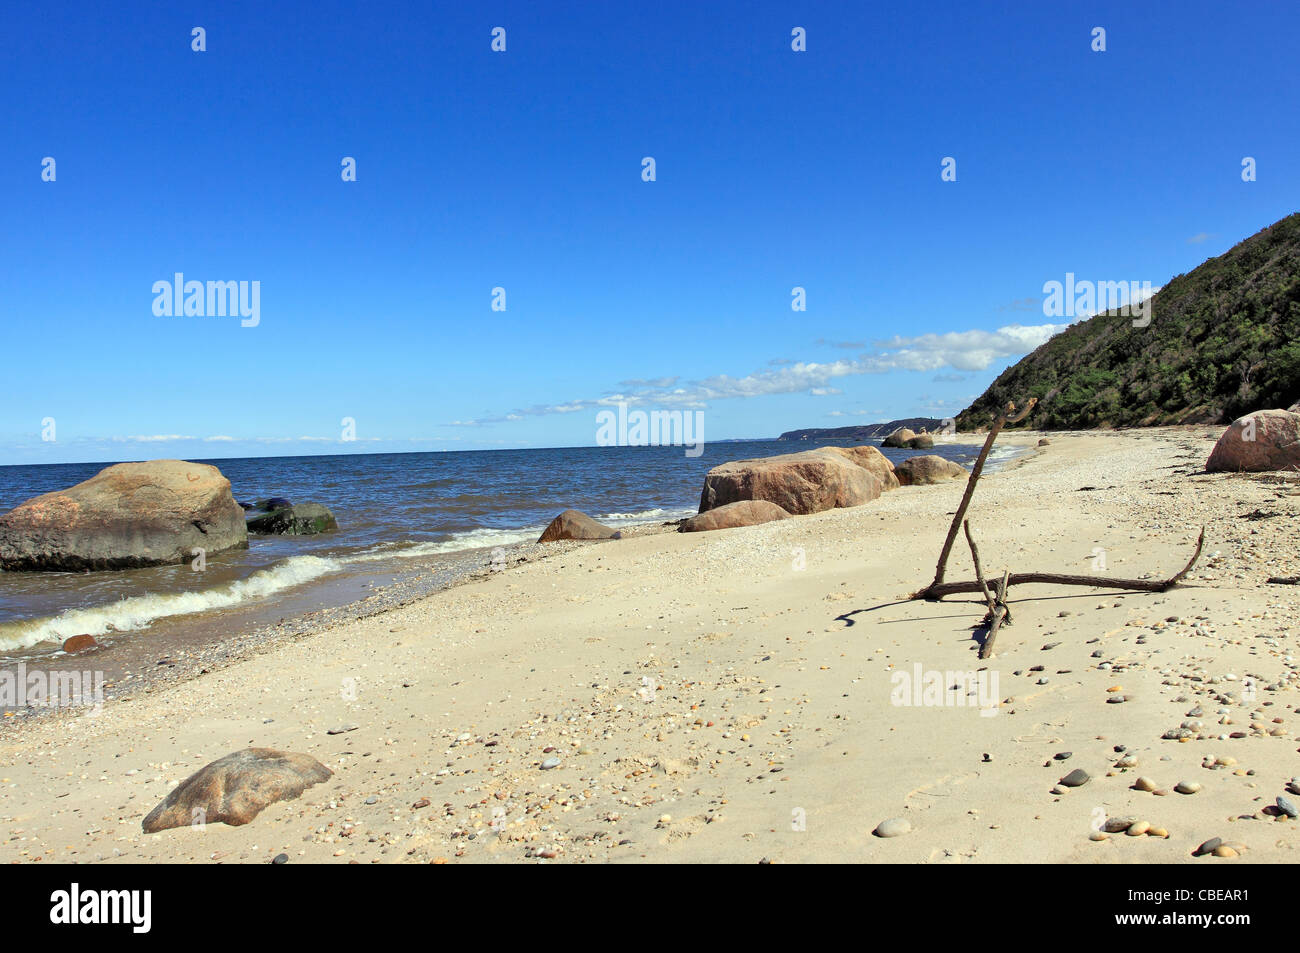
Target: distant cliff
<point>863,432</point>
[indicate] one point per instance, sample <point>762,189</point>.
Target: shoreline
<point>712,698</point>
<point>148,661</point>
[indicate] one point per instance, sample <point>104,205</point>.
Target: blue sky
<point>522,170</point>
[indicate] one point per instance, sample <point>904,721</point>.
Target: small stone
<point>1187,787</point>
<point>1063,755</point>
<point>893,827</point>
<point>1209,847</point>
<point>1286,806</point>
<point>1128,761</point>
<point>1138,829</point>
<point>1076,778</point>
<point>342,729</point>
<point>1117,825</point>
<point>1158,832</point>
<point>1144,784</point>
<point>550,763</point>
<point>1223,850</point>
<point>1098,835</point>
<point>280,859</point>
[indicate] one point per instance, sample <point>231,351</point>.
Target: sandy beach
<point>732,696</point>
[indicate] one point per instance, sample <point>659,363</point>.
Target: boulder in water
<point>127,516</point>
<point>297,519</point>
<point>899,438</point>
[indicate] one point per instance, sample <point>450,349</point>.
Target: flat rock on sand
<point>799,483</point>
<point>1264,440</point>
<point>927,469</point>
<point>574,524</point>
<point>740,513</point>
<point>235,789</point>
<point>126,516</point>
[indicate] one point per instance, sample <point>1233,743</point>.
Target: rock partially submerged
<point>740,513</point>
<point>125,517</point>
<point>899,438</point>
<point>297,519</point>
<point>1262,441</point>
<point>574,524</point>
<point>799,483</point>
<point>928,469</point>
<point>234,789</point>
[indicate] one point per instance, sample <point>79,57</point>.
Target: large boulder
<point>927,469</point>
<point>234,789</point>
<point>899,438</point>
<point>126,516</point>
<point>296,519</point>
<point>870,458</point>
<point>799,483</point>
<point>922,441</point>
<point>1264,440</point>
<point>740,513</point>
<point>574,524</point>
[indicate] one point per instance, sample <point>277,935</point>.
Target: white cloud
<point>960,350</point>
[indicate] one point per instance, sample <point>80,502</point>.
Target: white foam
<point>646,516</point>
<point>137,612</point>
<point>473,539</point>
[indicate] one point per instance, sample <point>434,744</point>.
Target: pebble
<point>280,859</point>
<point>1076,778</point>
<point>342,729</point>
<point>1286,806</point>
<point>1128,761</point>
<point>893,827</point>
<point>550,763</point>
<point>1223,850</point>
<point>1145,784</point>
<point>1187,787</point>
<point>1138,829</point>
<point>1117,825</point>
<point>1209,847</point>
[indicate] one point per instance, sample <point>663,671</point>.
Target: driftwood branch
<point>959,516</point>
<point>979,573</point>
<point>1000,614</point>
<point>1094,581</point>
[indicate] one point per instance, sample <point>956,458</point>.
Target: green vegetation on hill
<point>1224,340</point>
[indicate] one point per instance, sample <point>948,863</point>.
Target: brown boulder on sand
<point>234,789</point>
<point>1264,440</point>
<point>799,483</point>
<point>920,471</point>
<point>740,513</point>
<point>79,643</point>
<point>574,524</point>
<point>870,458</point>
<point>126,516</point>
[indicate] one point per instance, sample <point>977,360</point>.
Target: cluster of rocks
<point>133,515</point>
<point>905,439</point>
<point>749,492</point>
